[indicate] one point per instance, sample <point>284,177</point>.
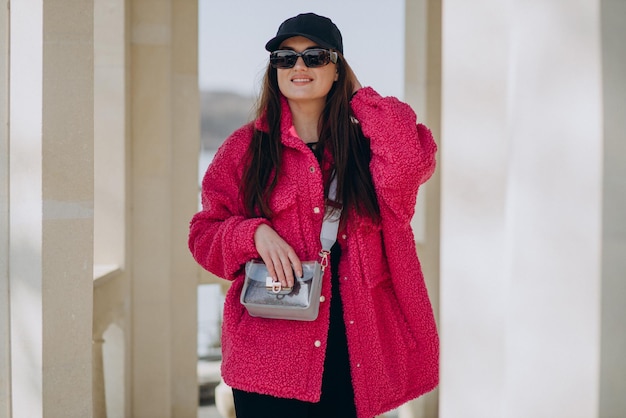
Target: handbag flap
<point>257,271</point>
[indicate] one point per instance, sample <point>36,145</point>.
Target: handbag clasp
<point>274,286</point>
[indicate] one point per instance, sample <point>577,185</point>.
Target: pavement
<point>208,411</point>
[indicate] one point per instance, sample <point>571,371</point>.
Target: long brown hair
<point>338,131</point>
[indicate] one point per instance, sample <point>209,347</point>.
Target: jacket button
<point>344,236</point>
<point>318,343</point>
<point>316,210</point>
<point>322,299</point>
<point>312,169</point>
<point>351,322</point>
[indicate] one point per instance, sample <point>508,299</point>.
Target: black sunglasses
<point>312,58</point>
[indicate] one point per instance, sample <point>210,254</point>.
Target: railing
<point>108,309</point>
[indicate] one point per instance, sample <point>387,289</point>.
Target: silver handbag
<point>264,297</point>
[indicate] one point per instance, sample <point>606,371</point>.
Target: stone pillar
<point>423,93</point>
<point>151,172</point>
<point>112,295</point>
<point>613,337</point>
<point>51,207</point>
<point>474,170</point>
<point>522,218</point>
<point>5,358</point>
<point>165,143</point>
<point>184,274</point>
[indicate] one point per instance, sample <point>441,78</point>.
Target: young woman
<point>374,344</point>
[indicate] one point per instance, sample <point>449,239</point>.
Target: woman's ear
<point>336,75</point>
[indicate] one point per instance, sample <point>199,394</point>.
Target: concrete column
<point>151,172</point>
<point>474,169</point>
<point>111,145</point>
<point>51,207</point>
<point>185,137</point>
<point>112,295</point>
<point>613,337</point>
<point>165,140</point>
<point>521,209</point>
<point>5,358</point>
<point>423,93</point>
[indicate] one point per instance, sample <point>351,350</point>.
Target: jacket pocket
<point>372,254</point>
<point>285,212</point>
<point>283,198</point>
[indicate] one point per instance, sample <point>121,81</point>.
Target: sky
<point>233,33</point>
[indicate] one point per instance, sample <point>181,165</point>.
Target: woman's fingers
<point>296,264</point>
<point>277,255</point>
<point>279,271</point>
<point>285,266</point>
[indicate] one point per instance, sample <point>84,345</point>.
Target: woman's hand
<point>281,260</point>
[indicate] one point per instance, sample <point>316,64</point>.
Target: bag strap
<point>330,226</point>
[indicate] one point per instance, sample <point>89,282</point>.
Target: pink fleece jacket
<point>391,331</point>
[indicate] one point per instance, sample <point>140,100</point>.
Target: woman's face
<point>302,83</point>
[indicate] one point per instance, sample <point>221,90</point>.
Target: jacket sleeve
<point>221,237</point>
<point>403,152</point>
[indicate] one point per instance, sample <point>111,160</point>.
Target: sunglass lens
<point>316,58</point>
<point>283,59</point>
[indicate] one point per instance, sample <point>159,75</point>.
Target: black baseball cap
<point>319,29</point>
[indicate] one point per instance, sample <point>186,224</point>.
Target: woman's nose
<point>300,63</point>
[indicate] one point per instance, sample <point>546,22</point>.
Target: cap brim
<point>274,43</point>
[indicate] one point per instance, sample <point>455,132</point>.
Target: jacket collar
<point>288,134</point>
<point>286,120</point>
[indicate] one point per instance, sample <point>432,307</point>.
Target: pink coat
<point>391,331</point>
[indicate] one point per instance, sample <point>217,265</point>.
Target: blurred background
<point>110,111</point>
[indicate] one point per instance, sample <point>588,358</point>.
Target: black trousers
<point>337,399</point>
